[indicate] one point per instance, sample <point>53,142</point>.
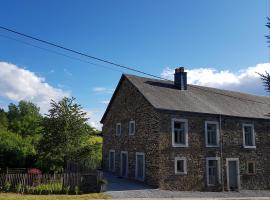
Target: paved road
<point>120,188</point>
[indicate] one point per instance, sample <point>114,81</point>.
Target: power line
<point>79,53</point>
<point>61,54</point>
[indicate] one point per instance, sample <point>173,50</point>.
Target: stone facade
<point>197,152</point>
<point>153,136</point>
<point>129,104</point>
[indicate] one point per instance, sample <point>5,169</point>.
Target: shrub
<point>66,189</point>
<point>77,190</point>
<point>7,186</point>
<point>19,188</point>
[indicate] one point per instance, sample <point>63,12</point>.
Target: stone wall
<point>128,105</point>
<point>196,153</point>
<point>153,137</point>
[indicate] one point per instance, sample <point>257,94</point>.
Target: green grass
<point>12,196</point>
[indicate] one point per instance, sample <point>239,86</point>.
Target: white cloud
<point>105,102</point>
<point>244,80</point>
<point>94,118</point>
<point>103,90</point>
<point>21,84</point>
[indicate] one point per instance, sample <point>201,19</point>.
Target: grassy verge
<point>11,196</point>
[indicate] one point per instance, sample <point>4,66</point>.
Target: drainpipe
<point>221,153</point>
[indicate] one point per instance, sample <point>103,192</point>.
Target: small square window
<point>118,129</point>
<point>251,167</point>
<point>180,165</point>
<point>131,128</point>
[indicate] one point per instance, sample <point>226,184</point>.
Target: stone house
<point>176,136</point>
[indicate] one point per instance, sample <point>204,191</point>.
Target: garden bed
<point>11,196</point>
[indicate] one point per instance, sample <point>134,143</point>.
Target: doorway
<point>233,175</point>
<point>124,164</point>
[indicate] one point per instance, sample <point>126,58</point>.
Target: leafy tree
<point>268,26</point>
<point>266,80</point>
<point>15,151</point>
<point>24,119</point>
<point>90,153</point>
<point>3,119</point>
<point>266,77</point>
<point>65,129</point>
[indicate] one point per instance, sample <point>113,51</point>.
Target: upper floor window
<point>211,134</point>
<point>248,136</point>
<point>118,129</point>
<point>131,128</point>
<point>180,165</point>
<point>179,132</point>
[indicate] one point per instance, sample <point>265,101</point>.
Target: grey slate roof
<point>164,95</point>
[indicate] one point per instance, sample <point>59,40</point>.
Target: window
<point>131,128</point>
<point>180,165</point>
<point>140,166</point>
<point>112,160</point>
<point>250,167</point>
<point>118,129</point>
<point>179,132</point>
<point>213,171</point>
<point>248,136</point>
<point>211,134</point>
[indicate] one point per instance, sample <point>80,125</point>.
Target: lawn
<point>11,196</point>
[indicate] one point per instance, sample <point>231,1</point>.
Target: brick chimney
<point>180,78</point>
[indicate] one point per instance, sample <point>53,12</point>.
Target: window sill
<point>179,145</point>
<point>249,147</point>
<point>181,173</point>
<point>212,146</point>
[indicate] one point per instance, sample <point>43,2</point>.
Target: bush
<point>7,186</point>
<point>50,188</point>
<point>77,190</point>
<point>66,189</point>
<point>19,188</point>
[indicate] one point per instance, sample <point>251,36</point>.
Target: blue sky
<point>218,40</point>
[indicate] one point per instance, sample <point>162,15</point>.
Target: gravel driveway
<point>122,188</point>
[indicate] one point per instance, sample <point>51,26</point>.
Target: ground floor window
<point>213,171</point>
<point>180,165</point>
<point>251,167</point>
<point>112,160</point>
<point>140,166</point>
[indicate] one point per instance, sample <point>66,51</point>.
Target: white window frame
<point>186,132</point>
<point>136,168</point>
<point>118,124</point>
<point>129,127</point>
<point>123,152</point>
<point>112,169</point>
<point>218,170</point>
<point>185,165</point>
<point>254,163</point>
<point>206,134</point>
<point>253,136</point>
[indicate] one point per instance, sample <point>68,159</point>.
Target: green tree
<point>24,119</point>
<point>3,119</point>
<point>15,151</point>
<point>266,77</point>
<point>65,129</point>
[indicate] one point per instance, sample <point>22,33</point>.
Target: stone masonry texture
<point>153,137</point>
